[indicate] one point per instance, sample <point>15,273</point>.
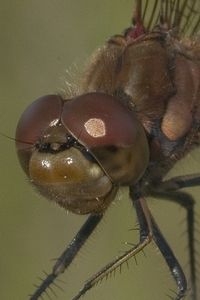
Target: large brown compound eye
<point>74,150</point>
<point>42,113</point>
<point>112,132</point>
<point>57,165</point>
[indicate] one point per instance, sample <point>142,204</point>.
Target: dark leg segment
<point>69,254</point>
<point>179,182</point>
<point>169,257</point>
<point>144,220</point>
<point>171,261</point>
<point>148,230</point>
<point>169,190</point>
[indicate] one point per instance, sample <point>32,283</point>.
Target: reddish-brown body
<point>158,77</point>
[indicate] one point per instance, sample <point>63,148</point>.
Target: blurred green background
<point>39,41</point>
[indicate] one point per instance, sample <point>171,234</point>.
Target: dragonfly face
<point>77,150</point>
<point>136,114</point>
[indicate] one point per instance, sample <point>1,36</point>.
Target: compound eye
<point>42,113</point>
<point>111,131</point>
<point>98,119</point>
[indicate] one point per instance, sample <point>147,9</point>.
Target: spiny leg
<point>171,261</point>
<point>169,190</point>
<point>144,221</point>
<point>147,228</point>
<point>168,255</point>
<point>68,255</point>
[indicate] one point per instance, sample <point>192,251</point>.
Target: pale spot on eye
<point>95,127</point>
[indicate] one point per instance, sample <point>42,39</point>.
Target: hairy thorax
<point>157,76</point>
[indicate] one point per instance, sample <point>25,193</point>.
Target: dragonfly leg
<point>68,255</point>
<point>178,182</point>
<point>171,261</point>
<point>169,190</point>
<point>144,221</point>
<point>169,257</point>
<point>148,231</point>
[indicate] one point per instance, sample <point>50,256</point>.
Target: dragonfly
<point>135,113</point>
